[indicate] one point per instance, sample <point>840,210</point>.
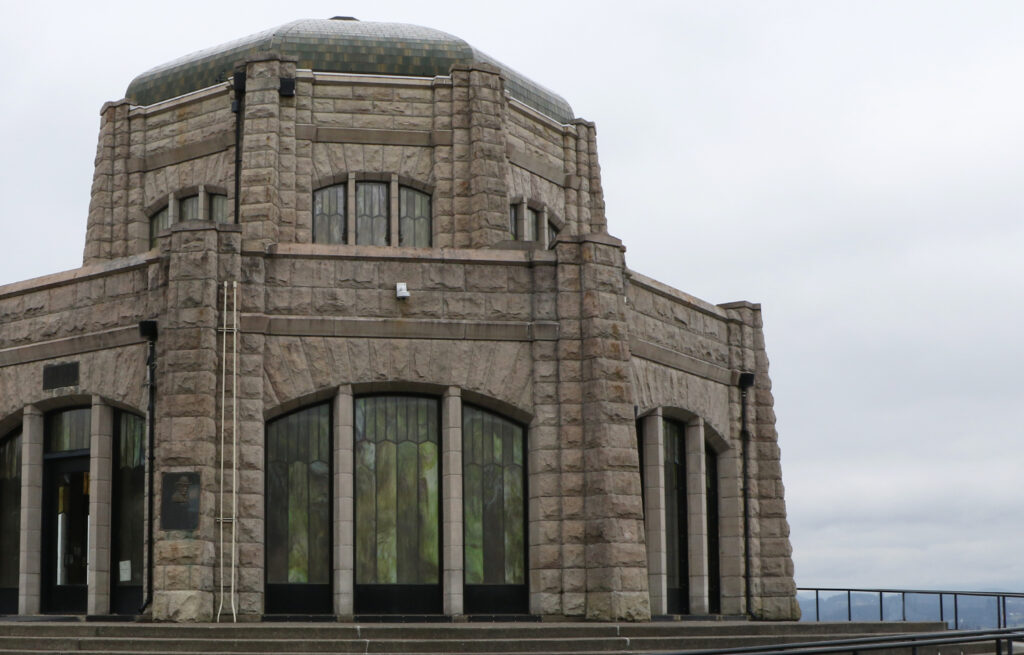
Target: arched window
<point>370,210</point>
<point>298,498</point>
<point>494,513</point>
<point>397,504</point>
<point>10,520</point>
<point>329,214</point>
<point>202,206</point>
<point>413,218</point>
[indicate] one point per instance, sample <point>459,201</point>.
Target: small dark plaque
<point>56,376</point>
<point>180,507</point>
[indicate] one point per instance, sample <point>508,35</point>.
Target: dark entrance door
<point>65,534</point>
<point>397,521</point>
<point>676,519</point>
<point>127,514</point>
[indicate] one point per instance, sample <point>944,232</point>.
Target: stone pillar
<point>773,590</point>
<point>30,556</point>
<point>100,482</point>
<point>451,501</point>
<point>344,504</point>
<point>654,510</point>
<point>543,465</point>
<point>616,556</point>
<point>480,161</point>
<point>567,574</point>
<point>443,216</point>
<point>109,176</point>
<point>260,200</point>
<point>697,516</point>
<point>730,526</point>
<point>186,426</point>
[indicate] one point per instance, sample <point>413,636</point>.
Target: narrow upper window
<point>513,220</point>
<point>329,214</point>
<point>552,235</point>
<point>530,230</point>
<point>413,218</point>
<point>188,209</point>
<point>372,213</point>
<point>158,222</point>
<point>218,211</point>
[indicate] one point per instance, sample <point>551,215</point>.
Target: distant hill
<point>972,612</point>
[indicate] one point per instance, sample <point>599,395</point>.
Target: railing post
<point>956,611</point>
<point>942,609</point>
<point>849,609</point>
<point>999,646</point>
<point>881,606</point>
<point>903,600</point>
<point>817,608</point>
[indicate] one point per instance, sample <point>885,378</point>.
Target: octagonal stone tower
<point>391,362</point>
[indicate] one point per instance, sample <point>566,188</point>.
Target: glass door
<point>66,510</point>
<point>397,509</point>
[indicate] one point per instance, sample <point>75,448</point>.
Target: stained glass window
<point>396,494</point>
<point>675,507</point>
<point>298,497</point>
<point>10,509</point>
<point>372,213</point>
<point>69,429</point>
<point>493,510</point>
<point>329,214</point>
<point>413,218</point>
<point>158,222</point>
<point>128,494</point>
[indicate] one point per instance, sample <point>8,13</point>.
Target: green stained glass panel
<point>299,497</point>
<point>494,503</point>
<point>69,429</point>
<point>397,502</point>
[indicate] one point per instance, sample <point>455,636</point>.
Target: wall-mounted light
<point>401,291</point>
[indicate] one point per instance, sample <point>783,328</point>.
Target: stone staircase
<point>561,638</point>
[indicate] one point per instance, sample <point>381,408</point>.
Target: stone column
<point>697,516</point>
<point>109,175</point>
<point>100,481</point>
<point>773,591</point>
<point>260,199</point>
<point>616,556</point>
<point>480,161</point>
<point>443,215</point>
<point>186,427</point>
<point>654,510</point>
<point>30,556</point>
<point>451,501</point>
<point>344,504</point>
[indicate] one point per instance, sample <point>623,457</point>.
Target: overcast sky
<point>856,167</point>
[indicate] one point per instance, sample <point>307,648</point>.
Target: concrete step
<point>409,638</point>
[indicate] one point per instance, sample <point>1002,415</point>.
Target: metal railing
<point>998,610</point>
<point>1002,639</point>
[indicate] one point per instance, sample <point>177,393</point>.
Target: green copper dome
<point>339,46</point>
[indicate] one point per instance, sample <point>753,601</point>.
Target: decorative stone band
<point>116,337</point>
<point>209,146</point>
<point>383,137</point>
<point>680,361</point>
<point>389,328</point>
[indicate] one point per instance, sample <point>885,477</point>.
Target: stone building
<point>351,337</point>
